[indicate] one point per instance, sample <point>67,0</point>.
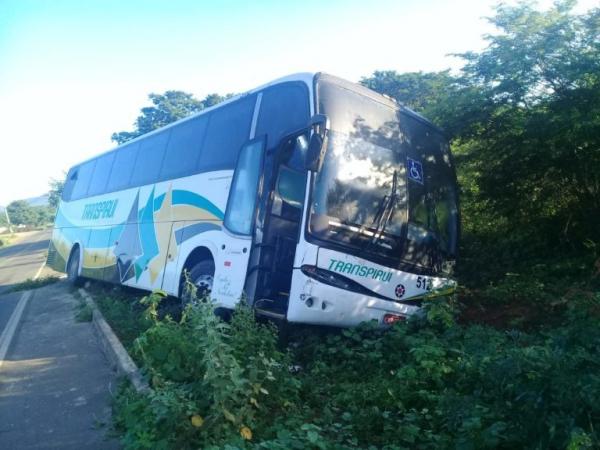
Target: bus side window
<point>283,109</point>
<point>122,167</point>
<point>183,149</point>
<point>101,174</point>
<point>228,129</point>
<point>149,160</point>
<point>84,175</point>
<point>291,186</point>
<point>69,184</point>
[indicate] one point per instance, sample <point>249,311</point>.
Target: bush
<point>212,382</point>
<point>427,384</point>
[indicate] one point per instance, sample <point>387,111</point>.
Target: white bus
<point>320,200</point>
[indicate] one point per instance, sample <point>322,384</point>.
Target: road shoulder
<point>56,382</point>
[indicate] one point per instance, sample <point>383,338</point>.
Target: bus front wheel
<point>201,275</point>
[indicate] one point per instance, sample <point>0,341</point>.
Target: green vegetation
<point>122,311</point>
<point>55,192</point>
<point>429,384</point>
<point>30,283</point>
<point>83,312</point>
<point>524,119</point>
<point>511,362</point>
<point>6,239</point>
<point>21,213</point>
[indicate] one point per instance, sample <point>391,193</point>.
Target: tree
<point>523,116</point>
<point>55,192</point>
<point>448,101</point>
<point>167,108</point>
<point>417,90</point>
<point>536,156</point>
<point>21,213</point>
<point>3,221</point>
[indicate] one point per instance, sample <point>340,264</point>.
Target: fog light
<point>390,319</point>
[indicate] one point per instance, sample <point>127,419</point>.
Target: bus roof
<point>305,77</point>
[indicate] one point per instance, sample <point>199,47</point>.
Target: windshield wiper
<point>390,209</point>
<point>384,214</point>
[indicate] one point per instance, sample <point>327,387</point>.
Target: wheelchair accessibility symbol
<point>415,170</point>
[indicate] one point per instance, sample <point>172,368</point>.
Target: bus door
<point>278,228</point>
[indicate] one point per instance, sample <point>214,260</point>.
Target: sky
<point>72,72</point>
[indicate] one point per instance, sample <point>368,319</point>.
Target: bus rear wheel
<point>73,268</point>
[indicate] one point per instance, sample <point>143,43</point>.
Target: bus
<point>315,199</point>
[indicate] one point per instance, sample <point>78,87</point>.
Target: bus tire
<point>201,274</point>
<point>73,268</point>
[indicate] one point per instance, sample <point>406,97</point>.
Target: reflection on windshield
<point>432,206</point>
<point>352,199</point>
<point>353,187</point>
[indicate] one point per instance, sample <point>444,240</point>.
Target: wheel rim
<point>204,284</point>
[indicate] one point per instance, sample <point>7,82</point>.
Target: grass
<point>30,283</point>
<point>121,310</point>
<point>83,312</point>
<point>7,239</point>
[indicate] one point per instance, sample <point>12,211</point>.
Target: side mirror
<point>318,142</point>
<point>320,123</point>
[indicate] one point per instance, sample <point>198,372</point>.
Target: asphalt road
<point>18,262</point>
<point>55,382</point>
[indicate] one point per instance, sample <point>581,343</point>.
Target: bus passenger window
<point>101,173</point>
<point>228,128</point>
<point>84,175</point>
<point>284,108</point>
<point>291,186</point>
<point>68,186</point>
<point>123,167</point>
<point>183,148</point>
<point>149,161</point>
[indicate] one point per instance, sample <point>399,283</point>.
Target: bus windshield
<point>359,196</point>
<point>352,198</point>
<point>363,197</point>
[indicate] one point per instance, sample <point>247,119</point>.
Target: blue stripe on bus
<point>158,201</point>
<point>147,237</point>
<point>99,238</point>
<point>185,233</point>
<point>190,198</point>
<point>103,237</point>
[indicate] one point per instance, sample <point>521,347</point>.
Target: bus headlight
<point>327,277</point>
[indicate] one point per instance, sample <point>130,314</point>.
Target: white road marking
<point>11,327</point>
<point>37,274</point>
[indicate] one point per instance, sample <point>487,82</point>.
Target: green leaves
<point>421,384</point>
<point>167,107</point>
<point>524,119</point>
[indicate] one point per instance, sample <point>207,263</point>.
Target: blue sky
<point>72,72</point>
